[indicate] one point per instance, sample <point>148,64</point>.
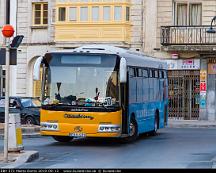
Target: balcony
<point>187,38</point>
<point>91,32</point>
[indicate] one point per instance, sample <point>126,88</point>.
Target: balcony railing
<point>187,35</point>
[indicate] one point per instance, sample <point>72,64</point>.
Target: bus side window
<point>132,72</point>
<point>162,72</point>
<point>145,88</point>
<point>139,72</point>
<point>151,74</point>
<point>156,74</point>
<point>165,74</point>
<point>145,73</point>
<point>139,86</point>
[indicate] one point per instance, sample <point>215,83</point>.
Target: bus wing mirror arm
<point>36,71</point>
<point>123,70</point>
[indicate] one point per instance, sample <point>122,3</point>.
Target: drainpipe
<point>142,25</point>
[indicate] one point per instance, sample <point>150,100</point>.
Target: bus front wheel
<point>62,138</point>
<point>133,131</point>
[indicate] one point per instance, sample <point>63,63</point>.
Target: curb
<point>27,132</point>
<point>190,126</point>
<point>27,156</point>
<point>32,135</point>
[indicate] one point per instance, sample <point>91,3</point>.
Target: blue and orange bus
<point>101,91</point>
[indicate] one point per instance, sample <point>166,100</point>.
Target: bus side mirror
<point>123,71</point>
<point>36,71</point>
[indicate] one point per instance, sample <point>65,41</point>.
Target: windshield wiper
<point>32,106</point>
<point>103,105</point>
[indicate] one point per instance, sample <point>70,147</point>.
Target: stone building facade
<point>117,22</point>
<point>178,33</point>
<point>174,30</point>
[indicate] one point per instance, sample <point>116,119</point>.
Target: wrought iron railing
<point>187,35</point>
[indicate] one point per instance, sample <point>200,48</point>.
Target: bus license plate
<point>77,135</point>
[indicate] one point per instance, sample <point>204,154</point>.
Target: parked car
<point>27,107</point>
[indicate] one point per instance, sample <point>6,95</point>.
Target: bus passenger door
<point>124,104</point>
<point>132,92</point>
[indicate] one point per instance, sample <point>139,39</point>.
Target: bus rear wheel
<point>62,138</point>
<point>156,123</point>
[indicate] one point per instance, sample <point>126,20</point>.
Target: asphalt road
<point>172,148</point>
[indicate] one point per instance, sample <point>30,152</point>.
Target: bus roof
<point>133,58</point>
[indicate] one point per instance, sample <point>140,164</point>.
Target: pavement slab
<point>15,159</point>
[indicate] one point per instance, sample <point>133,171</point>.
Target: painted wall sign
<point>203,81</point>
<point>211,68</point>
<point>203,75</point>
<point>202,103</point>
<point>203,99</point>
<point>202,86</point>
<point>180,64</point>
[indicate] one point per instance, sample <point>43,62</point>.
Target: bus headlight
<point>109,128</point>
<point>49,126</point>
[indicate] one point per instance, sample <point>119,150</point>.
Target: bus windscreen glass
<point>81,80</point>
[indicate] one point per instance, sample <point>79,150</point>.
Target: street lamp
<point>211,30</point>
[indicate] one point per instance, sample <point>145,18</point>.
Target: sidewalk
<point>191,124</point>
<point>16,159</point>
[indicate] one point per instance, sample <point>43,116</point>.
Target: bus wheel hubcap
<point>29,122</point>
<point>132,129</point>
<point>155,125</point>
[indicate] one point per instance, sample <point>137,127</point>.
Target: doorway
<point>184,93</point>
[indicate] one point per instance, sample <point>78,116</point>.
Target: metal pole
<point>7,11</point>
<point>7,79</point>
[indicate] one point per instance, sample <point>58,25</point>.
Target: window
<point>117,13</point>
<point>188,14</point>
<point>95,13</point>
<point>151,74</point>
<point>145,73</point>
<point>156,74</point>
<point>132,72</point>
<point>84,14</point>
<point>139,72</point>
<point>165,74</point>
<point>106,13</point>
<point>182,14</point>
<point>73,14</point>
<point>62,14</point>
<point>92,11</point>
<point>195,14</point>
<point>40,14</point>
<point>127,13</point>
<point>161,74</point>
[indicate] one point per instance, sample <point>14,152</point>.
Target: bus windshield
<point>86,80</point>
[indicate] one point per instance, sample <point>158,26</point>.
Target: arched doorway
<point>34,86</point>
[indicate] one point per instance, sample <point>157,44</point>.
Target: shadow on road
<point>104,142</point>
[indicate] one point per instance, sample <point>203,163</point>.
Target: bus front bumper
<point>80,130</point>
